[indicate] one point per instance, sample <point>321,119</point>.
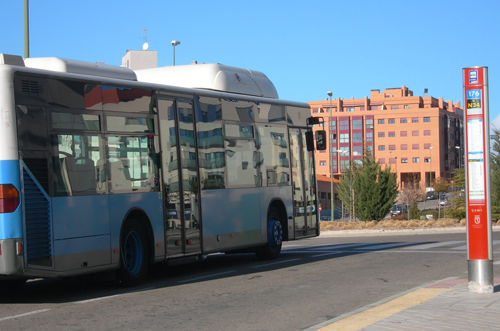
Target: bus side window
<point>74,164</point>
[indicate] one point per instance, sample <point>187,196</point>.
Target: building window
<point>414,133</point>
<point>344,151</point>
<point>344,125</point>
<point>349,109</point>
<point>381,121</point>
<point>391,121</point>
<point>373,107</point>
<point>392,160</point>
<point>394,107</point>
<point>381,147</point>
<point>357,124</point>
<point>404,160</point>
<point>416,160</point>
<point>392,134</point>
<point>392,147</point>
<point>357,150</point>
<point>403,133</point>
<point>357,137</point>
<point>427,159</point>
<point>414,146</point>
<point>369,136</point>
<point>369,124</point>
<point>402,120</point>
<point>344,138</point>
<point>404,147</point>
<point>381,134</point>
<point>427,146</point>
<point>381,161</point>
<point>427,132</point>
<point>406,107</point>
<point>414,119</point>
<point>322,163</point>
<point>427,119</point>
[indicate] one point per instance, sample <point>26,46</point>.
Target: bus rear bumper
<point>11,257</point>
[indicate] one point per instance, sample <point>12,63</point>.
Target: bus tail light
<point>9,198</point>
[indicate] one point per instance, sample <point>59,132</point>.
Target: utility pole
<point>26,30</point>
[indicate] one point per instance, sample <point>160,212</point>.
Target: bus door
<point>181,199</point>
<point>303,185</point>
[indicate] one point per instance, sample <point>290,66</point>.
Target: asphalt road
<point>314,280</point>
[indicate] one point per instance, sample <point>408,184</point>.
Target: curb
<point>434,285</point>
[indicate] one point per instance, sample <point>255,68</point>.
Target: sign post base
<point>480,276</point>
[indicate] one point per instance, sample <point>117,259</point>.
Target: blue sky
<point>305,47</point>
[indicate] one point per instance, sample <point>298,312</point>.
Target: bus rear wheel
<point>133,254</point>
<point>274,237</point>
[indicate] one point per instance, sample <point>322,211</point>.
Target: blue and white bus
<point>107,169</point>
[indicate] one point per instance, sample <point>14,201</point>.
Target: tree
<point>411,194</point>
<point>440,185</point>
<point>459,182</point>
<point>345,188</point>
<point>495,169</point>
<point>376,190</point>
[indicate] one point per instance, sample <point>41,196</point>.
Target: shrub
<point>456,213</point>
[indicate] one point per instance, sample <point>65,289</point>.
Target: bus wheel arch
<point>276,223</point>
<point>135,250</point>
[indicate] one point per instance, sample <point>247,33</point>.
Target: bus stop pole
<point>477,175</point>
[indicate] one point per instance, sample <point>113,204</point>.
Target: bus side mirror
<point>309,141</point>
<point>321,140</point>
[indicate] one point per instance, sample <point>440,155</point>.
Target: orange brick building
<point>419,137</point>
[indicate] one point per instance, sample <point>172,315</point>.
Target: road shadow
<point>164,275</point>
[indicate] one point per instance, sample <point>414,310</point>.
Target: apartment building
<point>419,137</point>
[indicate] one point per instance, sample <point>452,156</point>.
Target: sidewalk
<point>445,305</point>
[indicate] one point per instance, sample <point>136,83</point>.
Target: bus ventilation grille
<point>30,87</point>
<point>37,215</point>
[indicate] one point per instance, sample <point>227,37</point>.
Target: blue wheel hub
<point>275,233</point>
<point>133,252</point>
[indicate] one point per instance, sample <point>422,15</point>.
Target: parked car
<point>325,218</point>
<point>444,202</point>
<point>432,195</point>
<point>395,211</point>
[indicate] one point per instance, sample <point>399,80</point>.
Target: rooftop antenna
<point>145,45</point>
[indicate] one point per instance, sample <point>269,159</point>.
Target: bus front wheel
<point>133,254</point>
<point>272,249</point>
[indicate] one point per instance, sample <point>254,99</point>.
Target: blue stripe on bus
<point>11,223</point>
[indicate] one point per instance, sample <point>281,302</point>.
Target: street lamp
<point>459,157</point>
<point>332,214</point>
<point>342,152</point>
<point>430,167</point>
<point>175,43</point>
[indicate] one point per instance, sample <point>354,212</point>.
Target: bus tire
<point>272,249</point>
<point>133,254</point>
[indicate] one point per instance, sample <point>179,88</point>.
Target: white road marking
<point>25,314</point>
<point>433,245</point>
<point>386,246</point>
<point>116,295</point>
<point>268,264</point>
<point>205,277</point>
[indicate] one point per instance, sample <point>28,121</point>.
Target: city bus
<point>106,169</point>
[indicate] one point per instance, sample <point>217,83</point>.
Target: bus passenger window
<point>74,162</point>
<point>132,164</point>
